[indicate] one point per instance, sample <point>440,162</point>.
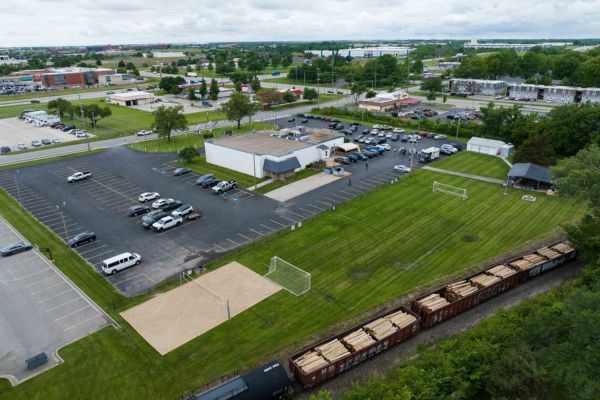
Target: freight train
<point>332,356</point>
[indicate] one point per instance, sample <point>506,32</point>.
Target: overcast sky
<point>87,22</point>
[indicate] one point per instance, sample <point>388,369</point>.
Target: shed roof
<point>279,167</point>
<point>477,141</point>
<point>530,171</point>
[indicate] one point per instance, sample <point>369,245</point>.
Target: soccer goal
<point>288,276</point>
<point>451,190</point>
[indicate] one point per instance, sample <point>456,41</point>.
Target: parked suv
<point>152,217</point>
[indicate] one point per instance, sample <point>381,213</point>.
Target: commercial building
<point>553,94</point>
<point>477,86</point>
<point>490,147</point>
<point>134,98</point>
<point>6,60</point>
<point>384,102</point>
<point>115,79</point>
<point>448,64</point>
<point>70,77</point>
<point>474,44</point>
<point>275,154</point>
<point>364,52</point>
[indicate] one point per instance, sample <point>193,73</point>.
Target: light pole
<point>63,219</point>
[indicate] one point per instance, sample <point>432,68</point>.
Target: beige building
<point>384,102</point>
<point>115,79</point>
<point>131,98</point>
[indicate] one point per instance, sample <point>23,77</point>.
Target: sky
<point>89,22</point>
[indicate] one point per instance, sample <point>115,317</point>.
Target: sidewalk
<point>302,186</point>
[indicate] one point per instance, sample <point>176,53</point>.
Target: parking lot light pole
<point>62,214</point>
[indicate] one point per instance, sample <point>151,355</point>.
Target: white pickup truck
<point>224,186</point>
<point>79,176</point>
<point>167,223</point>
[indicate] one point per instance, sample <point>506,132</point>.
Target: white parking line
<point>296,214</point>
<point>220,247</point>
<point>257,232</point>
<point>308,211</point>
<point>56,295</point>
<point>98,255</point>
<point>341,197</point>
<point>30,275</point>
<point>92,249</point>
<point>267,227</point>
<point>236,244</point>
<point>43,279</point>
<point>245,237</point>
<point>71,313</point>
<point>63,304</point>
<point>278,223</point>
<point>47,287</point>
<point>82,322</point>
<point>313,206</point>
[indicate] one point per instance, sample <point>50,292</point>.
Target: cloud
<point>73,22</point>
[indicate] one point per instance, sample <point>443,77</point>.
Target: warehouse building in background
<point>364,52</point>
<point>553,94</point>
<point>274,154</point>
<point>477,86</point>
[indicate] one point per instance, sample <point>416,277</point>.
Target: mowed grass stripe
<point>474,163</point>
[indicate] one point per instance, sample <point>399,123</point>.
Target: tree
<point>98,62</point>
<point>188,154</point>
<point>60,106</point>
<point>130,66</point>
<point>536,149</point>
<point>168,119</point>
<point>210,66</point>
<point>289,97</point>
<point>431,85</point>
<point>444,98</point>
<point>370,94</point>
<point>579,176</point>
<point>431,95</point>
<point>417,66</point>
<point>121,64</point>
<point>255,84</point>
<point>321,395</point>
<point>356,90</point>
<point>238,86</point>
<point>203,89</point>
<point>170,84</point>
<point>588,72</point>
<point>237,107</point>
<point>310,94</point>
<point>94,112</point>
<point>191,94</point>
<point>214,90</point>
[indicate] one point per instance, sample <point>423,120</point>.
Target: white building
<point>6,60</point>
<point>364,52</point>
<point>168,54</point>
<point>448,64</point>
<point>553,94</point>
<point>477,86</point>
<point>115,79</point>
<point>276,154</point>
<point>489,146</point>
<point>474,44</point>
<point>134,98</point>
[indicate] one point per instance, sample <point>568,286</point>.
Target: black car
<point>369,154</point>
<point>171,205</point>
<point>152,217</point>
<point>342,160</point>
<point>332,125</point>
<point>210,182</point>
<point>356,139</point>
<point>46,141</point>
<point>67,128</point>
<point>203,178</point>
<point>339,127</point>
<point>291,119</point>
<point>380,140</point>
<point>181,171</point>
<point>4,149</point>
<point>354,123</point>
<point>82,238</point>
<point>366,131</point>
<point>304,120</point>
<point>458,146</point>
<point>346,131</point>
<point>300,115</point>
<point>134,211</point>
<point>14,249</point>
<point>34,101</point>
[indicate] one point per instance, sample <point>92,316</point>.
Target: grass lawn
<point>373,249</point>
<point>476,164</point>
<point>305,173</point>
<point>290,81</point>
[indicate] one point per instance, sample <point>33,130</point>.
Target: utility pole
<point>457,125</point>
<point>81,109</point>
<point>318,92</point>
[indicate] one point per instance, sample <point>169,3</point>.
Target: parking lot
<point>14,131</point>
<point>40,310</point>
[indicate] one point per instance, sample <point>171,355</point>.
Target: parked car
<point>395,137</point>
<point>353,128</point>
<point>147,196</point>
<point>183,210</point>
<point>159,203</point>
<point>369,153</point>
<point>203,178</point>
<point>46,141</point>
<point>171,205</point>
<point>224,186</point>
<point>134,211</point>
<point>439,137</point>
<point>15,248</point>
<point>366,131</point>
<point>152,217</point>
<point>144,133</point>
<point>291,119</point>
<point>112,265</point>
<point>360,156</point>
<point>346,131</point>
<point>82,238</point>
<point>404,138</point>
<point>357,139</point>
<point>58,126</point>
<point>353,158</point>
<point>342,160</point>
<point>385,146</point>
<point>304,120</point>
<point>458,146</point>
<point>449,148</point>
<point>55,140</point>
<point>167,222</point>
<point>209,183</point>
<point>22,146</point>
<point>402,169</point>
<point>4,149</point>
<point>181,171</point>
<point>36,143</point>
<point>374,132</point>
<point>34,101</point>
<point>67,128</point>
<point>81,134</point>
<point>79,176</point>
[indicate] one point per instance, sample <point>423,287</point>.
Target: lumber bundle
<point>501,271</point>
<point>380,328</point>
<point>563,247</point>
<point>484,280</point>
<point>401,319</point>
<point>358,340</point>
<point>548,253</point>
<point>332,351</point>
<point>310,362</point>
<point>521,265</point>
<point>535,259</point>
<point>433,302</point>
<point>459,290</point>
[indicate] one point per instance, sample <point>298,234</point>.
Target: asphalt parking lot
<point>14,131</point>
<point>40,310</point>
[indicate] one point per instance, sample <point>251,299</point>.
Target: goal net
<point>288,276</point>
<point>451,190</point>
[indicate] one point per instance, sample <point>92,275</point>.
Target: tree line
<point>94,111</point>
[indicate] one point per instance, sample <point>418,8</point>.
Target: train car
<point>543,259</point>
<point>332,356</point>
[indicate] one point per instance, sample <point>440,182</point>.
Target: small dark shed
<point>279,170</point>
<point>530,176</point>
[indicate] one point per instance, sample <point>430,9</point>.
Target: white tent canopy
<point>346,147</point>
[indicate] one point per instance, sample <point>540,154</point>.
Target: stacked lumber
<point>563,247</point>
<point>460,289</point>
<point>501,271</point>
<point>433,302</point>
<point>484,280</point>
<point>548,253</point>
<point>332,351</point>
<point>311,362</point>
<point>380,328</point>
<point>401,319</point>
<point>521,265</point>
<point>535,259</point>
<point>358,340</point>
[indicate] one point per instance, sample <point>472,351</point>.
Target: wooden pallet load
<point>563,247</point>
<point>460,289</point>
<point>310,362</point>
<point>433,302</point>
<point>501,271</point>
<point>358,340</point>
<point>484,280</point>
<point>548,253</point>
<point>380,328</point>
<point>401,319</point>
<point>332,351</point>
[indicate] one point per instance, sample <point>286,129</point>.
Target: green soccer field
<point>380,246</point>
<point>476,164</point>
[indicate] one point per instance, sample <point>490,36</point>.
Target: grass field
<point>37,95</point>
<point>476,164</point>
<point>373,249</point>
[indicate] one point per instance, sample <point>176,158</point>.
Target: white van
<point>122,261</point>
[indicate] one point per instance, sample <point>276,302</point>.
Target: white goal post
<point>288,276</point>
<point>451,190</point>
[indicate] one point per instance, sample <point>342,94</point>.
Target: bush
<point>188,154</point>
<point>208,135</point>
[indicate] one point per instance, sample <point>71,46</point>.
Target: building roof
<point>530,171</point>
<point>348,146</point>
<point>127,96</point>
<point>279,167</point>
<point>477,141</point>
